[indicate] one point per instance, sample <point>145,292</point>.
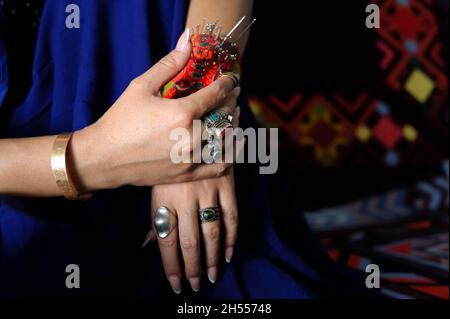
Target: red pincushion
<point>211,57</point>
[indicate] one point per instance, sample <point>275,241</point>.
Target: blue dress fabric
<point>77,74</point>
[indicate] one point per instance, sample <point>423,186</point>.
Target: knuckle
<point>219,92</point>
<point>213,234</point>
<point>187,213</point>
<point>230,109</point>
<point>183,119</point>
<point>169,61</point>
<point>138,83</point>
<point>168,242</point>
<point>188,243</point>
<point>231,218</point>
<point>193,269</point>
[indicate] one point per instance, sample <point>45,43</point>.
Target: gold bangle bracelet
<point>60,171</point>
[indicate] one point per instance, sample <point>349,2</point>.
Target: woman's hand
<point>130,144</point>
<point>184,200</point>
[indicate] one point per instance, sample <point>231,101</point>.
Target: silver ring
<point>216,123</point>
<point>208,215</point>
<point>165,221</point>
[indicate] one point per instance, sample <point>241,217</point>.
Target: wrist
<point>89,162</point>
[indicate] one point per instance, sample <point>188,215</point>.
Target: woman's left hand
<point>184,201</point>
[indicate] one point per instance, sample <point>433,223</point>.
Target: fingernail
<point>212,274</point>
<point>195,283</point>
<point>175,284</point>
<point>183,40</point>
<point>229,254</point>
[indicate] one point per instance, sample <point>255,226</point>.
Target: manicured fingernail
<point>195,283</point>
<point>212,274</point>
<point>183,40</point>
<point>175,283</point>
<point>229,254</point>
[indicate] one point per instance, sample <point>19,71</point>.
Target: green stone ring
<point>208,215</point>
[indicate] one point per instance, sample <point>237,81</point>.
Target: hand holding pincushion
<point>211,57</point>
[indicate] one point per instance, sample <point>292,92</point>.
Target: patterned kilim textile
<point>363,118</point>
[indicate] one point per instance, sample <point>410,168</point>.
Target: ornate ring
<point>208,215</point>
<point>218,119</point>
<point>216,123</point>
<point>165,221</point>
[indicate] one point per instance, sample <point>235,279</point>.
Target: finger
<point>211,97</point>
<point>190,243</point>
<point>168,247</point>
<point>211,236</point>
<point>228,105</point>
<point>228,205</point>
<point>216,135</point>
<point>170,65</point>
<point>236,116</point>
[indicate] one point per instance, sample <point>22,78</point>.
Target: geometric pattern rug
<point>405,232</point>
<point>364,129</point>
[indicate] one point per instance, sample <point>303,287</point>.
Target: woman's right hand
<point>130,144</point>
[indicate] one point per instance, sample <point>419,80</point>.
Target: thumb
<point>170,65</point>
